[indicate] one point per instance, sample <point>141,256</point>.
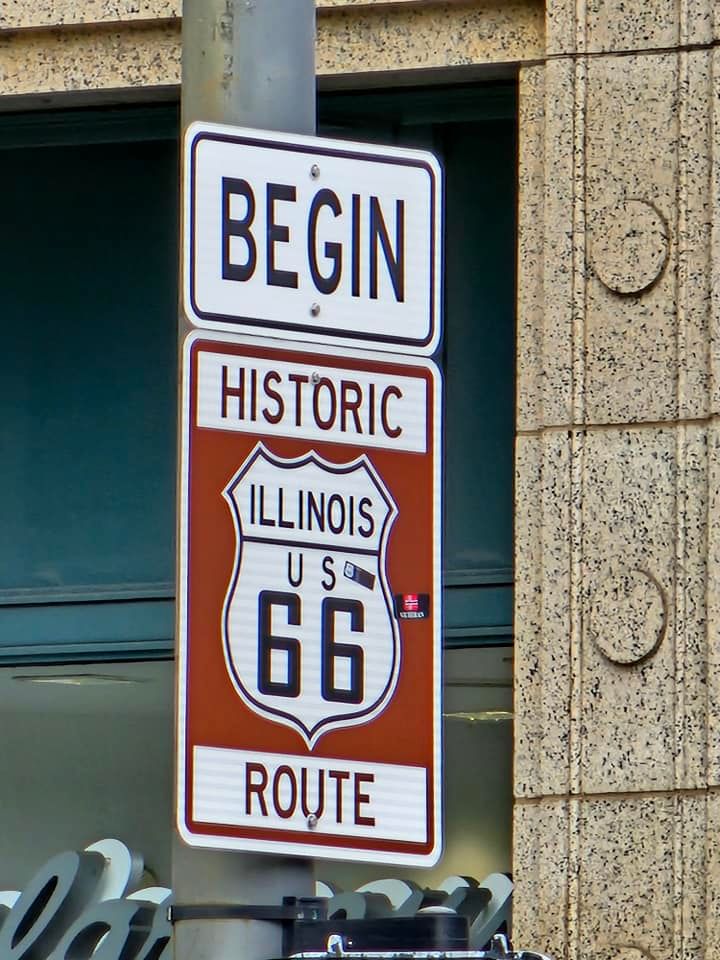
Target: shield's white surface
<point>311,532</point>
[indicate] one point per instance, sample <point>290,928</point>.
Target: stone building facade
<point>617,561</point>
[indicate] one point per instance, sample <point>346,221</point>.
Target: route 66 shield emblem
<point>309,633</point>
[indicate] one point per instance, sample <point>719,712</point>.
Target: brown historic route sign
<point>310,602</point>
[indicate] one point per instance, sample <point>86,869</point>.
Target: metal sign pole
<point>247,62</point>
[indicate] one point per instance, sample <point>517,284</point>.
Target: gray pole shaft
<point>250,63</point>
<point>211,876</point>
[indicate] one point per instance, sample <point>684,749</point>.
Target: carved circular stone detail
<point>628,617</point>
<point>629,246</point>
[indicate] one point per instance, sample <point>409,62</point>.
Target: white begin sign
<point>315,239</point>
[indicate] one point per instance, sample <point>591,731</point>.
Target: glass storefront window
<point>86,571</point>
<point>87,753</point>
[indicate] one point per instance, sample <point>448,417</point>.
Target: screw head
<point>315,310</point>
<point>314,377</point>
<point>314,171</point>
<point>312,821</point>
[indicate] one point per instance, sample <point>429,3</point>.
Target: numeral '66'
<point>331,650</point>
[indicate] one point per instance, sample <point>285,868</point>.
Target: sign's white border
<point>283,328</point>
<point>284,847</point>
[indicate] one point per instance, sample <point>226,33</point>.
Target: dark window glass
<point>89,251</point>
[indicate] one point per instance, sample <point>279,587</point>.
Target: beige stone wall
<point>617,761</point>
<point>106,48</point>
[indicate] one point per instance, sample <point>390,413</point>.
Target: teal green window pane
<point>479,350</point>
<point>89,279</point>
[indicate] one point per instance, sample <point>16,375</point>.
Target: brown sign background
<point>211,713</point>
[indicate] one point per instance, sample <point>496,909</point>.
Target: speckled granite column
<point>617,769</point>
